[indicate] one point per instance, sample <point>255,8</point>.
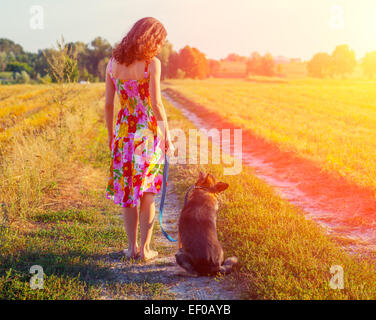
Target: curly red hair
<point>141,42</point>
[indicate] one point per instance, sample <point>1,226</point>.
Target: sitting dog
<point>200,252</point>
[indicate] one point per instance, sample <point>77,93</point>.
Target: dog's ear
<point>201,179</point>
<point>202,176</point>
<point>220,186</point>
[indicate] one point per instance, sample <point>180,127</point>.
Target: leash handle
<point>161,206</point>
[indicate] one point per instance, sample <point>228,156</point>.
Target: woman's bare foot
<point>132,253</point>
<point>148,254</point>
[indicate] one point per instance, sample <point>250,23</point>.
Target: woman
<point>136,168</point>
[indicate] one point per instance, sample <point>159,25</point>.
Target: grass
<point>72,247</point>
<point>282,255</point>
<point>55,215</point>
<point>330,122</point>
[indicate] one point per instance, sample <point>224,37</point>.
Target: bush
<point>44,80</point>
<point>25,78</point>
<point>6,75</point>
<point>18,67</point>
<point>22,77</point>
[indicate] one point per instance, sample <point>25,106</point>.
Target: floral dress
<point>136,155</point>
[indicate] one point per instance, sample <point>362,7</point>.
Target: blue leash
<point>164,183</point>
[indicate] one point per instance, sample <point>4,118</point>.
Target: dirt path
<point>164,269</point>
<point>345,210</point>
<point>83,188</point>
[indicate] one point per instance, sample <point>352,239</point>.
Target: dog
<point>200,252</point>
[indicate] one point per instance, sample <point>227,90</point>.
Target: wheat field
<point>331,122</point>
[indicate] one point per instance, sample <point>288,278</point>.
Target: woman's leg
<point>147,214</point>
<point>130,216</point>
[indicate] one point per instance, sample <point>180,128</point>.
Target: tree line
<point>19,66</point>
<point>341,62</point>
<point>89,60</point>
<point>255,64</point>
<point>16,65</point>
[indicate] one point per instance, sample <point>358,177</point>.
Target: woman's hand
<point>169,146</point>
<point>166,143</point>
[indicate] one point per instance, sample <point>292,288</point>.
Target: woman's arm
<point>109,105</point>
<point>156,99</point>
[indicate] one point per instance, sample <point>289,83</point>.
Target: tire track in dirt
<point>163,269</point>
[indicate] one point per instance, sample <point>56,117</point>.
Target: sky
<point>291,28</point>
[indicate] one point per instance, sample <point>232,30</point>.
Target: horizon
<point>313,26</point>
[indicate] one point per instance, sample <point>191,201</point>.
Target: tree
<point>268,65</point>
<point>369,64</point>
<point>102,68</point>
<point>9,46</point>
<point>81,49</point>
<point>193,63</point>
<point>259,65</point>
<point>187,61</point>
<point>214,67</point>
<point>343,60</point>
<point>40,64</point>
<point>173,64</point>
<point>254,64</point>
<point>164,56</point>
<point>3,61</point>
<point>180,74</point>
<point>17,66</point>
<point>234,57</point>
<point>320,65</point>
<point>98,50</point>
<point>202,69</point>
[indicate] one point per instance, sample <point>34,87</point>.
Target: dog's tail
<point>228,264</point>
